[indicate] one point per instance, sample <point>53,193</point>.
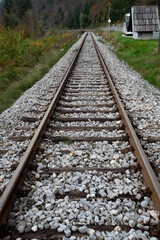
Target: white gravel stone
<point>48,206</point>
<point>10,119</point>
<point>102,193</point>
<point>74,228</point>
<point>34,228</point>
<point>83,229</point>
<point>90,231</point>
<point>118,229</point>
<point>21,226</point>
<point>92,237</point>
<point>144,203</point>
<point>114,212</point>
<point>61,228</point>
<point>141,99</point>
<point>72,238</point>
<point>78,153</point>
<point>67,232</point>
<point>155,214</point>
<point>43,209</point>
<point>132,223</point>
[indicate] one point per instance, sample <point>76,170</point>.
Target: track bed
<point>84,181</point>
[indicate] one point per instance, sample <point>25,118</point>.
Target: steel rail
<point>149,176</point>
<point>8,197</point>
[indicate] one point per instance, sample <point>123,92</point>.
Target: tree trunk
<point>159,43</point>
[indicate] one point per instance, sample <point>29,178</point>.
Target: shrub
<point>18,53</point>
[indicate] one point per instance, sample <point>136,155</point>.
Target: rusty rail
<point>149,176</point>
<point>8,197</point>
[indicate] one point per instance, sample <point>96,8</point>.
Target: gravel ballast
<point>36,98</point>
<point>141,99</point>
<point>59,193</point>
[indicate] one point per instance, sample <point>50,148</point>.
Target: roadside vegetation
<point>29,44</point>
<point>140,54</point>
<point>23,60</point>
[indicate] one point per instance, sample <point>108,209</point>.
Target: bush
<point>18,53</point>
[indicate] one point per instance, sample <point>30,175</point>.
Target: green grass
<point>140,54</point>
<point>45,62</point>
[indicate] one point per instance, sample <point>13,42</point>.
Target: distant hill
<point>65,13</point>
<point>78,13</point>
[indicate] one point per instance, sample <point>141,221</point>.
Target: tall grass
<point>17,53</point>
<point>23,61</point>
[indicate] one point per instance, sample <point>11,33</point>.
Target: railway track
<point>82,175</point>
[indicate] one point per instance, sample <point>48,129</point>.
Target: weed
<point>67,141</point>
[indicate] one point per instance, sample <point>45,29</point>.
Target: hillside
<point>82,13</point>
<point>71,13</point>
<point>64,13</point>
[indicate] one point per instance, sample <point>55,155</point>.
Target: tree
<point>81,17</point>
<point>86,8</point>
<point>49,1</point>
<point>67,19</point>
<point>119,8</point>
<point>58,18</point>
<point>150,2</point>
<point>70,13</point>
<point>7,6</point>
<point>159,43</point>
<point>76,23</point>
<point>33,29</point>
<point>14,11</point>
<point>10,20</point>
<point>21,6</point>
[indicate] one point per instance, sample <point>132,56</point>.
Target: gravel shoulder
<point>141,100</point>
<point>122,197</point>
<point>23,117</point>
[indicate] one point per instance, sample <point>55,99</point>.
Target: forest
<point>34,35</point>
<point>44,14</point>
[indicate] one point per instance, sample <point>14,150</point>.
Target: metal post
<point>109,21</point>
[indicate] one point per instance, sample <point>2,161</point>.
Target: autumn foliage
<point>44,14</point>
<point>18,53</point>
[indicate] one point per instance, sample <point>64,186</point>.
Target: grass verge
<point>140,54</point>
<point>25,81</point>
